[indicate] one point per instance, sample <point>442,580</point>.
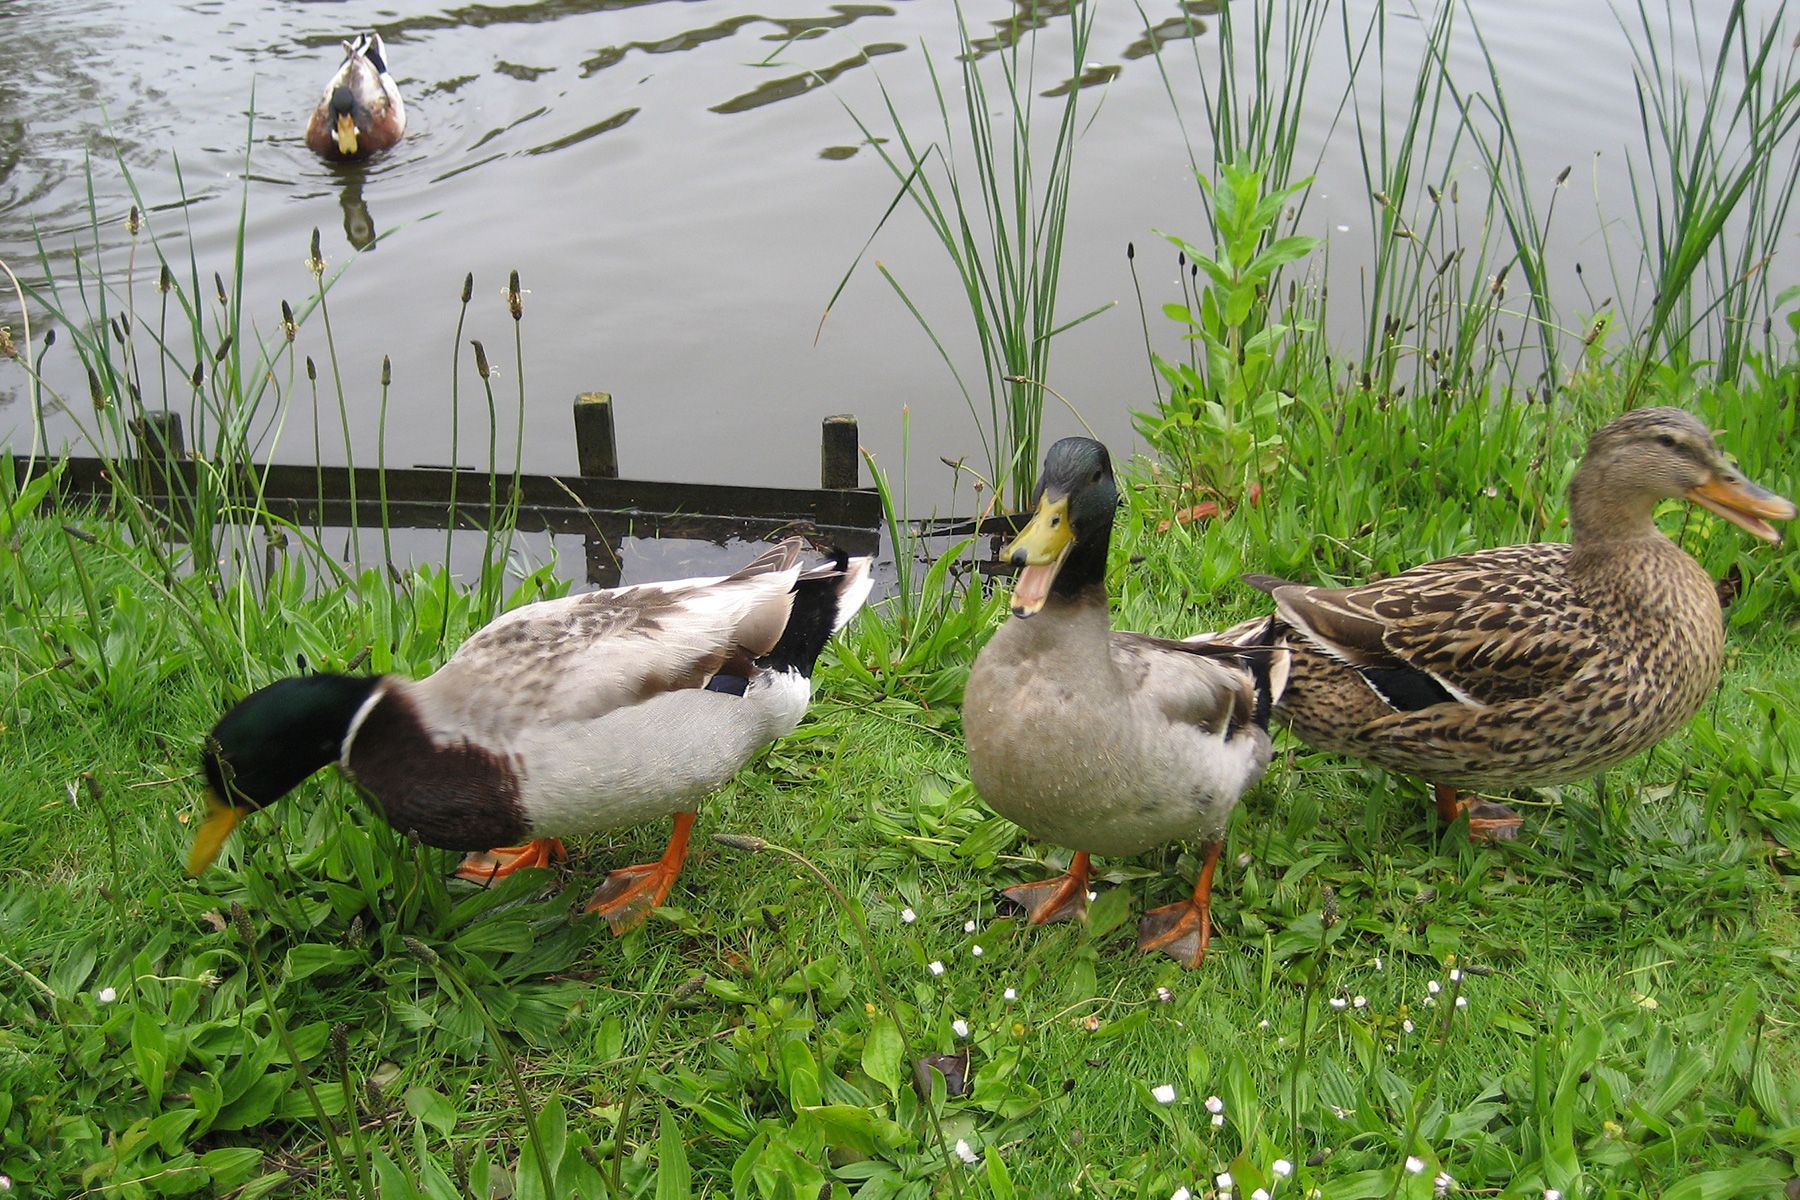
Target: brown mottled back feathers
<point>1556,665</point>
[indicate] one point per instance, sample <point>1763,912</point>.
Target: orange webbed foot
<point>490,866</point>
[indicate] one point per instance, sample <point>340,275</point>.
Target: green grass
<point>325,1015</point>
<point>1629,966</point>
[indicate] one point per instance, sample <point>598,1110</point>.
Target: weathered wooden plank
<point>419,497</point>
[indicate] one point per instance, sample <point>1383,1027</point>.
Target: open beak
<point>1040,548</point>
<point>221,818</point>
<point>1744,504</point>
<point>346,134</point>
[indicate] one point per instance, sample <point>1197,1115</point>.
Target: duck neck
<point>1601,515</point>
<point>1083,573</point>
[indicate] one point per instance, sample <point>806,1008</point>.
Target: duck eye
<point>1096,478</point>
<point>1666,439</point>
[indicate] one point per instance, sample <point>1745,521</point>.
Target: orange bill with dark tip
<point>1744,504</point>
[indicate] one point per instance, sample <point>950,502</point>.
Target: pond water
<point>681,188</point>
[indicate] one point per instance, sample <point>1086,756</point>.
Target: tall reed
<point>995,192</point>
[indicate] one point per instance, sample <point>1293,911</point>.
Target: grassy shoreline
<point>1628,967</point>
<point>1607,1007</point>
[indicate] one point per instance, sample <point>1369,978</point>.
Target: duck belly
<point>1039,763</point>
<point>651,760</point>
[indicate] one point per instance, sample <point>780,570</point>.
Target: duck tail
<point>1270,669</point>
<point>825,598</point>
<point>1259,645</point>
<point>370,46</point>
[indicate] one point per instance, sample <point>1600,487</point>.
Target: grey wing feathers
<point>1187,683</point>
<point>582,656</point>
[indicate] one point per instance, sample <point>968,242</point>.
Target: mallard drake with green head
<point>1529,664</point>
<point>361,112</point>
<point>1109,742</point>
<point>590,712</point>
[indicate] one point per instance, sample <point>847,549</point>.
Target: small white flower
<point>1338,1002</point>
<point>1164,1093</point>
<point>1407,1025</point>
<point>1378,962</point>
<point>1455,974</point>
<point>960,1027</point>
<point>966,1153</point>
<point>1010,994</point>
<point>1414,1164</point>
<point>1434,987</point>
<point>1462,1002</point>
<point>1429,1001</point>
<point>1552,1194</point>
<point>1361,1002</point>
<point>1164,994</point>
<point>1281,1168</point>
<point>107,995</point>
<point>1263,1024</point>
<point>1093,896</point>
<point>6,1183</point>
<point>1218,1120</point>
<point>1223,1179</point>
<point>977,951</point>
<point>908,915</point>
<point>1260,1194</point>
<point>1181,1193</point>
<point>936,967</point>
<point>1442,1184</point>
<point>968,926</point>
<point>1342,1114</point>
<point>1214,1104</point>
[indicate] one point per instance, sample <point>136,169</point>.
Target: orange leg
<point>1063,898</point>
<point>1182,929</point>
<point>627,895</point>
<point>1488,821</point>
<point>488,866</point>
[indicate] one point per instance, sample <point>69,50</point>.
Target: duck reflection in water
<point>359,226</point>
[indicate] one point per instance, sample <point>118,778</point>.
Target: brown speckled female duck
<point>1530,664</point>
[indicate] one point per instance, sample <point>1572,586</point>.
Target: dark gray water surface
<point>680,195</point>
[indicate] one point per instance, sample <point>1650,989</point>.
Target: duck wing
<point>581,657</point>
<point>1476,629</point>
<point>1219,688</point>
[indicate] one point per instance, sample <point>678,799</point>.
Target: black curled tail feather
<point>825,597</point>
<point>1270,669</point>
<point>1260,648</point>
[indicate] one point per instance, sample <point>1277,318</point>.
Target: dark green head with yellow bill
<point>1063,549</point>
<point>266,744</point>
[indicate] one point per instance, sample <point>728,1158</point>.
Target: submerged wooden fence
<point>595,503</point>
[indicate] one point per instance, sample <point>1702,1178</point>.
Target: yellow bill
<point>221,819</point>
<point>346,134</point>
<point>1040,548</point>
<point>1744,504</point>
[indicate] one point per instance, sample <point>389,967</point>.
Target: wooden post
<point>603,566</point>
<point>838,451</point>
<point>596,449</point>
<point>159,436</point>
<point>160,446</point>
